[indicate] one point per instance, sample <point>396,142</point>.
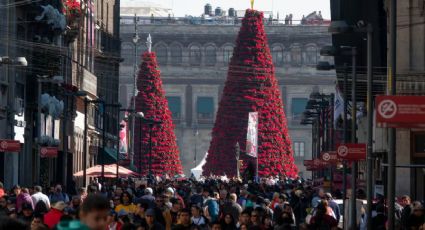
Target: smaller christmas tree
<point>165,158</point>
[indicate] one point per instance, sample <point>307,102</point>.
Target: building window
<point>176,54</point>
<point>297,107</point>
<point>277,54</point>
<point>311,55</point>
<point>161,54</point>
<point>127,53</point>
<point>205,109</point>
<point>296,56</point>
<point>419,144</point>
<point>174,104</point>
<point>227,54</point>
<point>299,149</point>
<point>210,56</point>
<point>195,55</point>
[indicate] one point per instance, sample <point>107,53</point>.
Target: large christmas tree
<point>251,86</point>
<point>152,102</point>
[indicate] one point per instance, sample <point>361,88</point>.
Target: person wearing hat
<point>151,222</point>
<point>53,217</point>
<point>148,198</point>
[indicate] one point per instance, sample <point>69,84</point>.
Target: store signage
<point>10,146</point>
<point>46,152</point>
<point>400,111</point>
<point>351,152</point>
<point>331,157</point>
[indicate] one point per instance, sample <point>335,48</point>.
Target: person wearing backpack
<point>39,196</point>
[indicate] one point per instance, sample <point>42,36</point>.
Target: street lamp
<point>141,116</point>
<point>338,27</point>
<point>66,94</point>
<point>86,103</point>
<point>135,40</point>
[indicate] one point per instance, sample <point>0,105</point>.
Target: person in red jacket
<point>53,217</point>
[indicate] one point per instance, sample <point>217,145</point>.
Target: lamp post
<point>338,27</point>
<point>64,131</point>
<point>86,103</point>
<point>135,40</point>
<point>102,156</point>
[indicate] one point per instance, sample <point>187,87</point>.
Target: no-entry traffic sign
<point>351,152</point>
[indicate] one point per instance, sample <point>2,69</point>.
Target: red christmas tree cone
<point>165,156</point>
<point>251,86</point>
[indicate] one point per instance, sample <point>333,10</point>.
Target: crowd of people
<point>188,204</point>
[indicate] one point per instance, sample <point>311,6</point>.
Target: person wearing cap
<point>151,222</point>
<point>148,198</point>
<point>54,215</point>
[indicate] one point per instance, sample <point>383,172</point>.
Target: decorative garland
<point>251,86</point>
<point>152,102</point>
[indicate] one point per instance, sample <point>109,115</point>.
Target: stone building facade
<point>193,56</point>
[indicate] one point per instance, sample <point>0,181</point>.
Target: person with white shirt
<point>39,196</point>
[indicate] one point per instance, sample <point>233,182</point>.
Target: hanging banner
<point>46,152</point>
<point>400,111</point>
<point>123,147</point>
<point>11,146</point>
<point>330,157</point>
<point>351,152</point>
<point>252,135</point>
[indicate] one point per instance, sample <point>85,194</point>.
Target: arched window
<point>296,55</point>
<point>277,54</point>
<point>161,54</point>
<point>227,54</point>
<point>195,55</point>
<point>210,55</point>
<point>127,53</point>
<point>311,55</point>
<point>176,54</point>
<point>286,56</point>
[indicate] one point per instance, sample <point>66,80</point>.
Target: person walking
<point>39,196</point>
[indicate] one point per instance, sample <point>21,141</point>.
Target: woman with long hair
<point>322,220</point>
<point>228,223</point>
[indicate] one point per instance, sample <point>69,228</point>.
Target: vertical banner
<point>252,135</point>
<point>123,141</point>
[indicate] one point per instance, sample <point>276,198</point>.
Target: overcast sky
<point>296,7</point>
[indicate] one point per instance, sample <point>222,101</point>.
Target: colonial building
<point>193,54</point>
<point>70,46</point>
